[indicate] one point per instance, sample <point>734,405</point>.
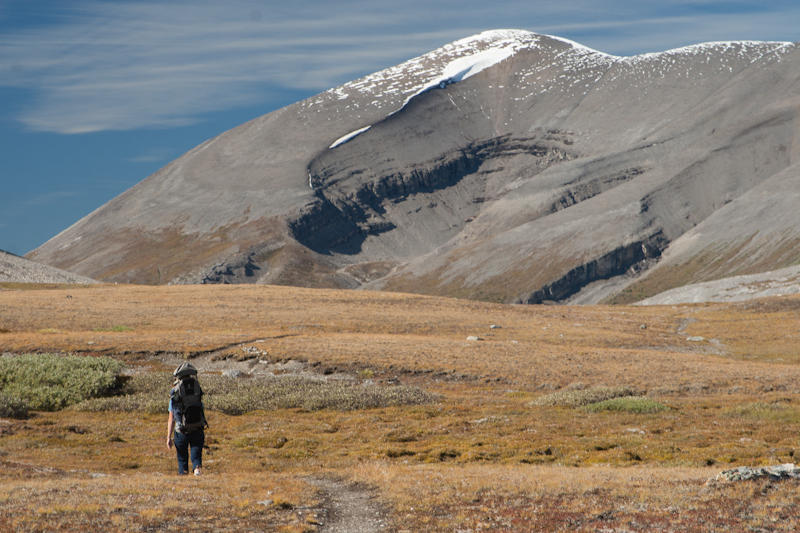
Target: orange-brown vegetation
<point>485,456</point>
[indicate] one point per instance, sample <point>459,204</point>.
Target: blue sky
<point>97,95</point>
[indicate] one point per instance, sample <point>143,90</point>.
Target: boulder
<point>774,473</point>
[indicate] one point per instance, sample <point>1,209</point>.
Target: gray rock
<point>473,338</point>
<point>746,473</point>
<point>232,373</point>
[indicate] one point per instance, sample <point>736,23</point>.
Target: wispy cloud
<point>112,66</point>
<point>125,66</point>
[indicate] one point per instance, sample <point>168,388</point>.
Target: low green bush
<point>49,382</point>
<point>144,403</point>
<point>578,397</point>
<point>12,407</point>
<point>234,396</point>
<point>627,404</point>
<point>313,395</point>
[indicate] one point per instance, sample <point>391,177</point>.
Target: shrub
<point>575,398</point>
<point>235,396</point>
<point>240,396</point>
<point>147,392</point>
<point>628,404</point>
<point>50,382</point>
<point>12,407</point>
<point>126,403</point>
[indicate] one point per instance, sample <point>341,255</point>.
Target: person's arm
<point>170,428</point>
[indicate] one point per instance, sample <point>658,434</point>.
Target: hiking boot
<point>197,471</point>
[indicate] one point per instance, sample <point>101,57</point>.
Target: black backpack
<point>189,396</point>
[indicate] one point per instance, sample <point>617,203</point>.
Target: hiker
<point>187,419</point>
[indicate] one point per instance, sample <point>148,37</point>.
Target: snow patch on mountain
<point>466,67</point>
<point>578,47</point>
<point>463,68</point>
<point>455,71</point>
<point>344,138</point>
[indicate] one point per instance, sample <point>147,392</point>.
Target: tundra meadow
<point>444,414</point>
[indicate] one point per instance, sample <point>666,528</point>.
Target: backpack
<point>189,396</point>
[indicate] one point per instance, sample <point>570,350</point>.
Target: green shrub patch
<point>49,382</point>
<point>12,407</point>
<point>628,404</point>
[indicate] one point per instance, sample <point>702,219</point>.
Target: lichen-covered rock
<point>746,473</point>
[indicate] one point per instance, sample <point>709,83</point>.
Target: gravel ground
<point>349,508</point>
<point>734,289</point>
<point>17,269</point>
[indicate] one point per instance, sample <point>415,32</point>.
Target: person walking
<point>187,422</point>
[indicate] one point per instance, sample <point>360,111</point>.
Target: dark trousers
<point>183,442</point>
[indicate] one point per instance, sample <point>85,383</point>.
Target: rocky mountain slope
<point>508,166</point>
<point>733,289</point>
<point>15,269</point>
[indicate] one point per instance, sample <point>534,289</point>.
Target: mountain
<point>16,269</point>
<point>508,166</point>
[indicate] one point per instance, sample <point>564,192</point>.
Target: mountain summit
<point>508,166</point>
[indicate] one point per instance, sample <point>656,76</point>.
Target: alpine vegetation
<point>577,397</point>
<point>49,382</point>
<point>237,396</point>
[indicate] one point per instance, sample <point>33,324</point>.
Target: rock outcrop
<point>748,473</point>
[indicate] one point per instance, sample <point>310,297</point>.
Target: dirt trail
<point>348,507</point>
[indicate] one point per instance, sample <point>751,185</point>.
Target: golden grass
<point>502,460</point>
<point>75,501</point>
<point>558,498</point>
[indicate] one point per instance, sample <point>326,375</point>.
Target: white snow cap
<point>479,52</point>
